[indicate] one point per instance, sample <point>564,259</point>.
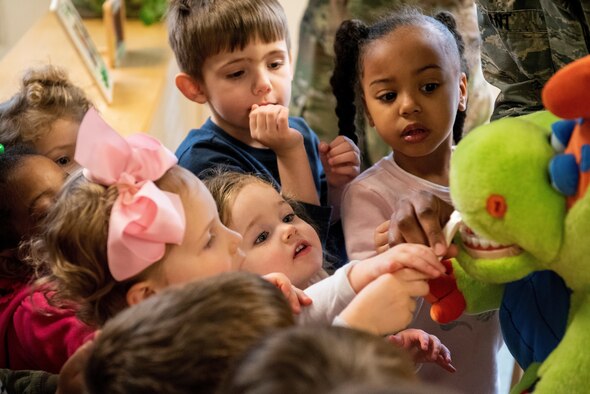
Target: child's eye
<point>63,161</point>
<point>275,65</point>
<point>211,241</point>
<point>289,218</point>
<point>429,87</point>
<point>235,75</point>
<point>261,238</point>
<point>387,97</point>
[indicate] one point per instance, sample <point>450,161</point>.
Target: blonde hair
<point>71,254</point>
<point>45,95</point>
<point>225,186</point>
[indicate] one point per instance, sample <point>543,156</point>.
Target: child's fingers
<point>302,297</point>
<point>424,340</point>
<point>343,158</point>
<point>292,298</point>
<point>346,170</point>
<point>447,365</point>
<point>282,282</point>
<point>270,120</point>
<point>408,275</point>
<point>324,160</point>
<point>435,346</point>
<point>417,257</point>
<point>445,354</point>
<point>342,144</point>
<point>253,120</point>
<point>396,340</point>
<point>283,120</point>
<point>381,237</point>
<point>417,288</point>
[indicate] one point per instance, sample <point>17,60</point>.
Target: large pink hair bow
<point>143,218</point>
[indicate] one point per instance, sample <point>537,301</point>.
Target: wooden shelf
<point>139,83</point>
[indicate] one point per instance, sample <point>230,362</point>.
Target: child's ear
<point>191,88</point>
<point>463,92</point>
<point>139,292</point>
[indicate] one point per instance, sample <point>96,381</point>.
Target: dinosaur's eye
<point>496,206</point>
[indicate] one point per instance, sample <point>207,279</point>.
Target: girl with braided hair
<point>409,73</point>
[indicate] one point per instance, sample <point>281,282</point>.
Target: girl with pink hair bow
<point>129,225</point>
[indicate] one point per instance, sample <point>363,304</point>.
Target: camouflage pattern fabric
<point>525,42</point>
<point>312,95</point>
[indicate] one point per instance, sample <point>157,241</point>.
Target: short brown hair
<point>199,29</point>
<point>305,360</point>
<point>45,95</point>
<point>185,339</point>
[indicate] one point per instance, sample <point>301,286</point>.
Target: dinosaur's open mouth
<point>482,248</point>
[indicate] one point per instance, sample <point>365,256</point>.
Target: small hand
<point>295,296</point>
<point>269,125</point>
<point>419,218</point>
<point>341,160</point>
<point>387,304</point>
<point>418,257</point>
<point>423,347</point>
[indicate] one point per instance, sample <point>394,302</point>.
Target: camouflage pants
<point>312,94</point>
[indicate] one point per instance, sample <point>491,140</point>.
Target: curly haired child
<point>45,114</point>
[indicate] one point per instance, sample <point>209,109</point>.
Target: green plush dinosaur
<point>499,182</point>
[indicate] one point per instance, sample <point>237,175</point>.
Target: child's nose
<point>262,83</point>
<point>408,104</point>
<point>235,240</point>
<point>288,232</point>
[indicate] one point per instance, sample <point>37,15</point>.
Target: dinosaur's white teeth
<point>479,247</point>
<point>484,243</point>
<point>491,254</point>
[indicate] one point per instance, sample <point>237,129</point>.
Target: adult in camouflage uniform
<point>312,96</point>
<point>525,42</point>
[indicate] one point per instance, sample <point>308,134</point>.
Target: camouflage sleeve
<point>524,43</point>
<point>33,382</point>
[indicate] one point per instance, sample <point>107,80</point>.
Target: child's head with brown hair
<point>45,113</point>
<point>410,72</point>
<point>129,225</point>
<point>200,29</point>
<point>234,55</point>
<point>29,183</point>
<point>275,237</point>
<point>304,360</point>
<point>185,339</point>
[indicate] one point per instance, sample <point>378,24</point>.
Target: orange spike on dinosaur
<point>567,95</point>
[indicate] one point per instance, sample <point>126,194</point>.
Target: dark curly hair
<point>351,39</point>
